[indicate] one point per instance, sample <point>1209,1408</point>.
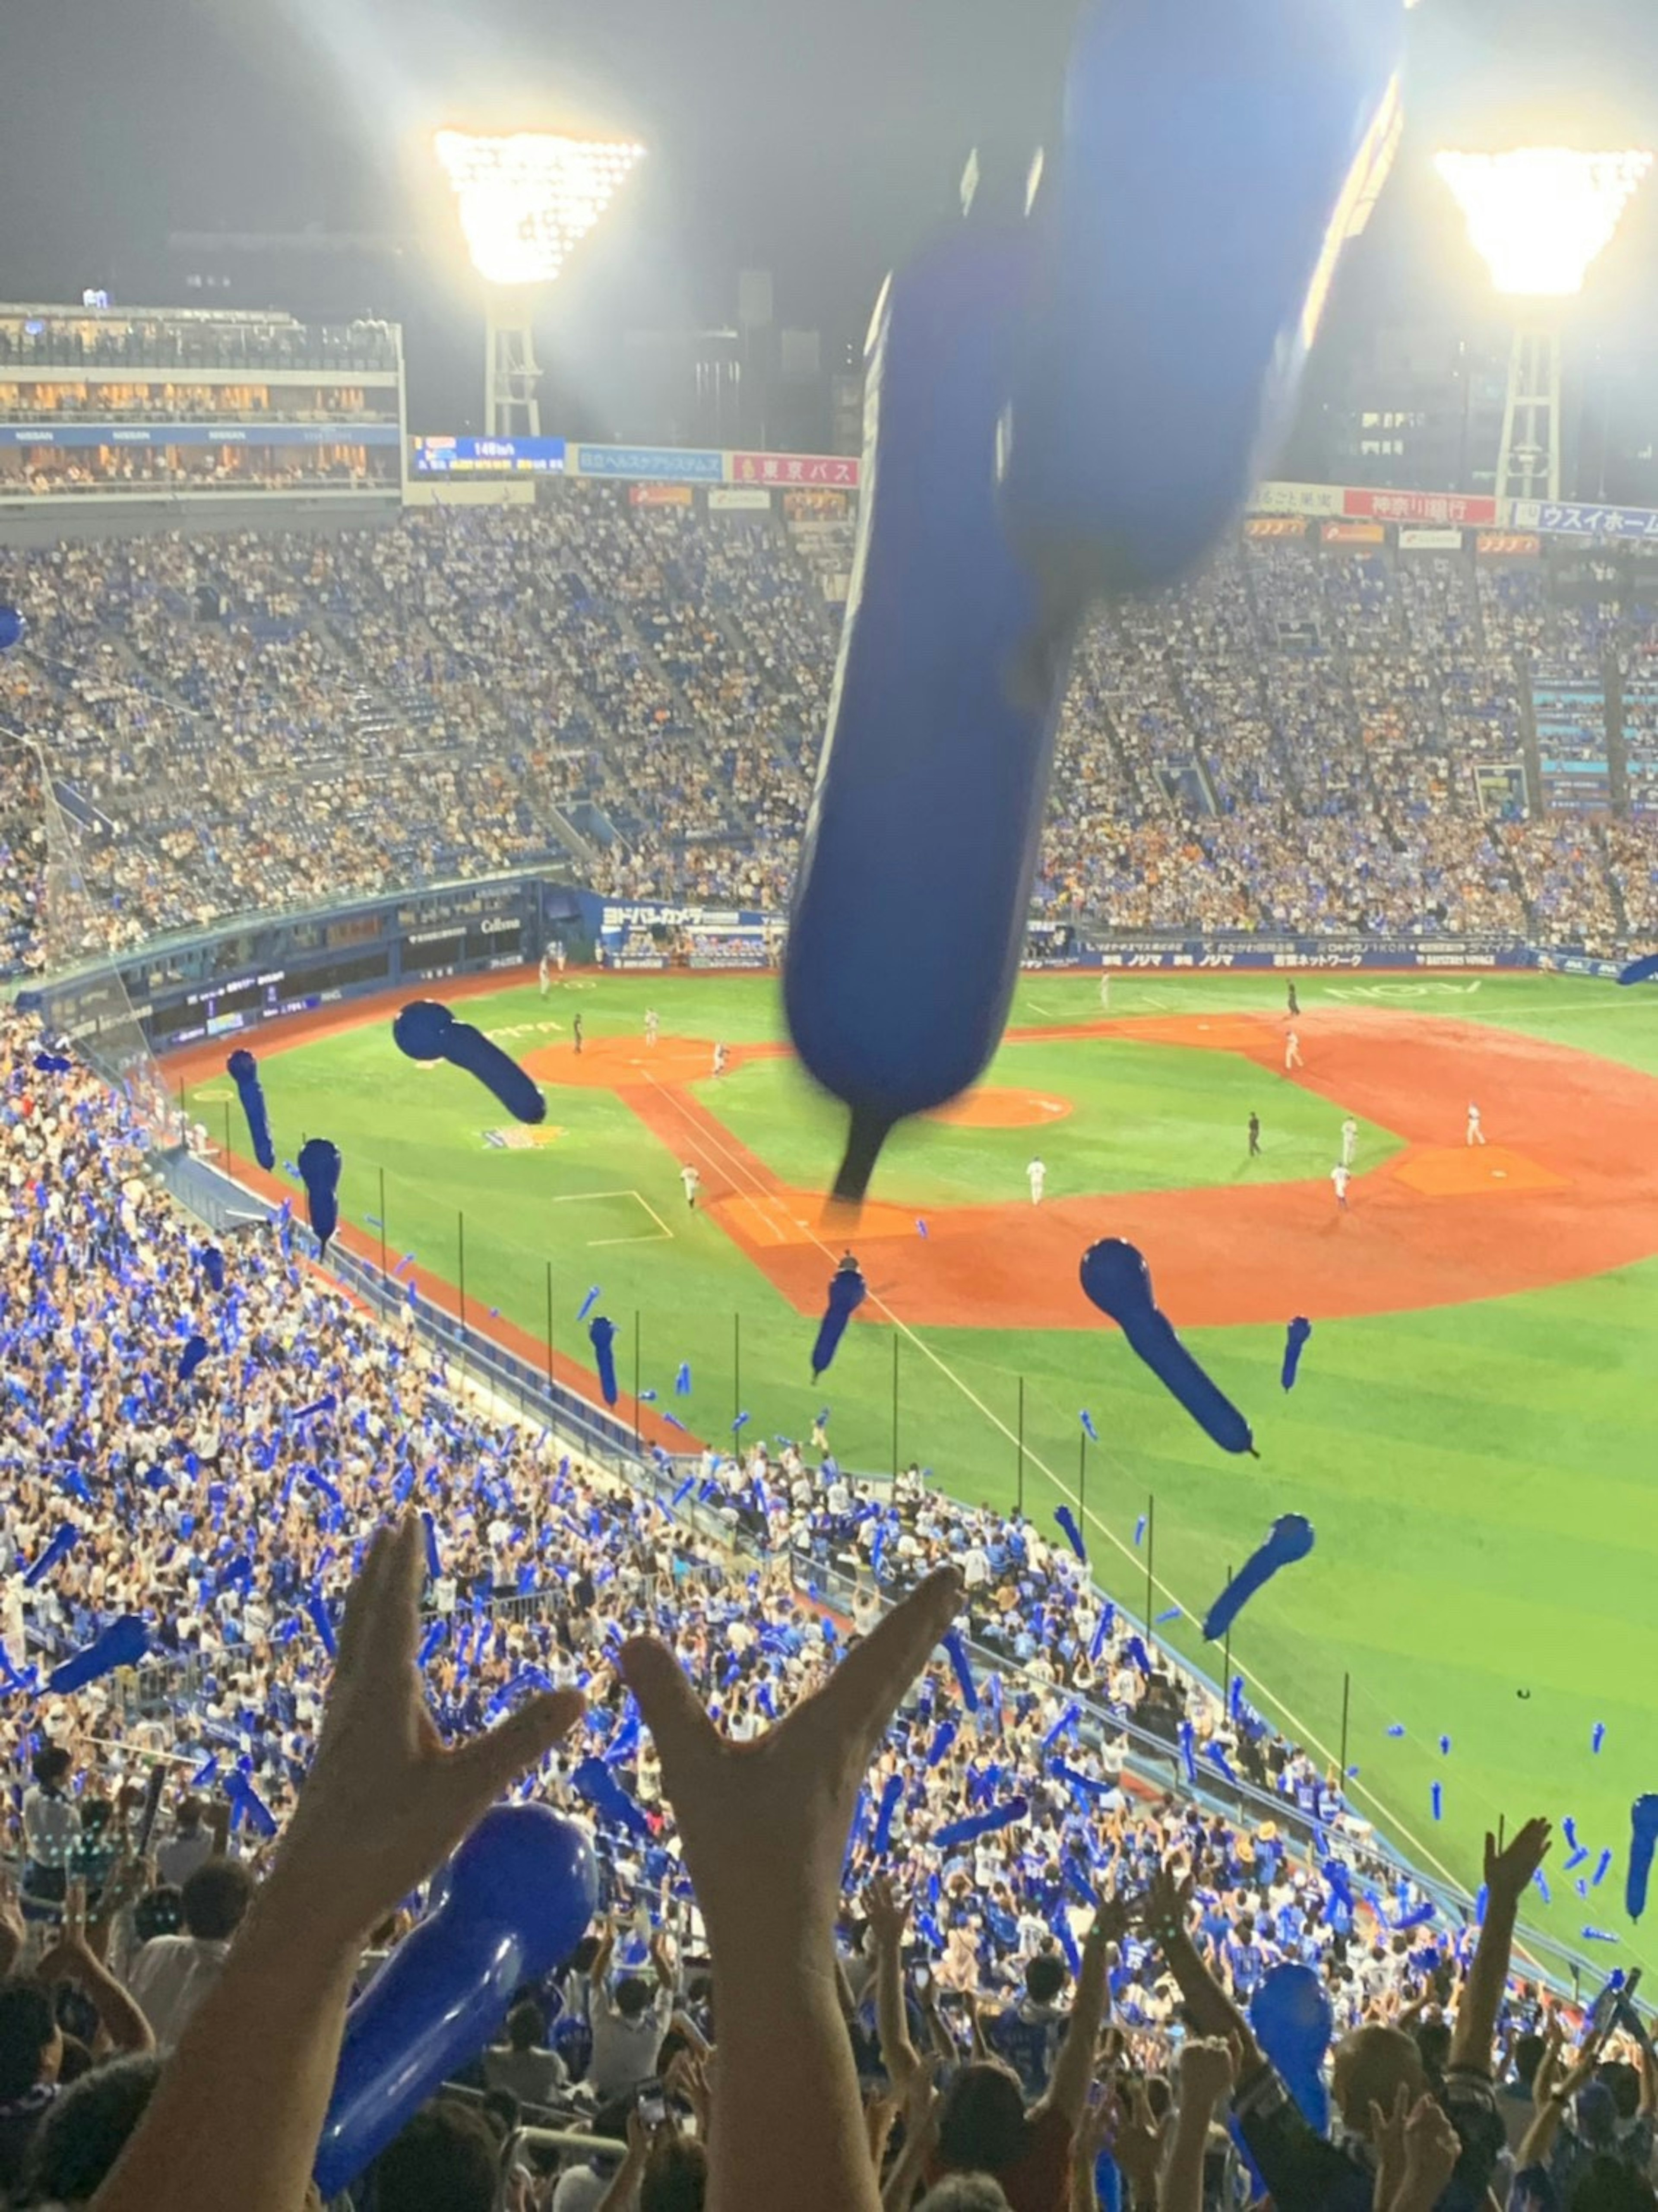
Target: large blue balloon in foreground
<point>12,627</point>
<point>920,846</point>
<point>1116,1280</point>
<point>1213,159</point>
<point>517,1899</point>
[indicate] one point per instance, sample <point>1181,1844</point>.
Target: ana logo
<point>522,1137</point>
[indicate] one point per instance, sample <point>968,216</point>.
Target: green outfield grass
<point>1481,1478</point>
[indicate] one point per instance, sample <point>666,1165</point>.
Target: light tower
<point>525,202</point>
<point>1539,216</point>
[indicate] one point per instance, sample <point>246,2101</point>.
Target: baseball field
<point>1471,1434</point>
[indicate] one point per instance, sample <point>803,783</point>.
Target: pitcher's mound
<point>994,1109</point>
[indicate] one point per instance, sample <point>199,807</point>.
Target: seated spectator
<point>172,1974</point>
<point>522,2067</point>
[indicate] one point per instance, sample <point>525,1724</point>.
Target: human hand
<point>386,1800</point>
<point>887,1912</point>
<point>1137,2141</point>
<point>687,2077</point>
<point>1207,2071</point>
<point>1508,1870</point>
<point>764,1824</point>
<point>14,1934</point>
<point>1387,2141</point>
<point>1164,1904</point>
<point>1432,2147</point>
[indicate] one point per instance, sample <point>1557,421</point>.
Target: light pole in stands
<point>526,200</point>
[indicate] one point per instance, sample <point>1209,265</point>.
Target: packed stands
<point>1321,738</point>
<point>231,1511</point>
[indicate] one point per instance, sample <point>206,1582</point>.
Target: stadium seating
<point>1332,739</point>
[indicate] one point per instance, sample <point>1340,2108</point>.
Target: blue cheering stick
<point>939,1749</point>
<point>846,1292</point>
<point>1642,1837</point>
<point>244,1071</point>
<point>1295,1344</point>
<point>915,875</point>
<point>434,1563</point>
<point>60,1545</point>
<point>1291,1539</point>
<point>1173,319</point>
<point>588,1303</point>
<point>123,1644</point>
<point>958,1832</point>
<point>427,1031</point>
<point>1115,1279</point>
<point>319,1171</point>
<point>890,1796</point>
<point>601,1334</point>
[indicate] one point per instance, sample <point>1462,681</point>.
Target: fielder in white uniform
<point>693,1182</point>
<point>1037,1175</point>
<point>1476,1134</point>
<point>1349,1141</point>
<point>653,1024</point>
<point>1292,1050</point>
<point>1341,1176</point>
<point>545,974</point>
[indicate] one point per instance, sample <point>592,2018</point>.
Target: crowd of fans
<point>1318,740</point>
<point>779,1931</point>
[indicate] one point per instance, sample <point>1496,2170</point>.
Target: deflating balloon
<point>427,1030</point>
<point>596,1782</point>
<point>1116,1280</point>
<point>1295,1344</point>
<point>123,1644</point>
<point>982,1823</point>
<point>1067,1521</point>
<point>1640,971</point>
<point>601,1334</point>
<point>319,1171</point>
<point>1292,2022</point>
<point>192,1357</point>
<point>908,917</point>
<point>244,1071</point>
<point>1291,1539</point>
<point>846,1292</point>
<point>958,1659</point>
<point>519,1894</point>
<point>1642,1835</point>
<point>60,1545</point>
<point>52,1063</point>
<point>12,627</point>
<point>1173,319</point>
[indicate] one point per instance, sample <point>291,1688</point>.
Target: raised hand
<point>887,1912</point>
<point>1508,1870</point>
<point>386,1800</point>
<point>1206,2073</point>
<point>1432,2148</point>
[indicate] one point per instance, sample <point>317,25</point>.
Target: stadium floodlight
<point>1540,216</point>
<point>527,201</point>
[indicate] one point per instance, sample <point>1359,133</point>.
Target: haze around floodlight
<point>1539,216</point>
<point>527,201</point>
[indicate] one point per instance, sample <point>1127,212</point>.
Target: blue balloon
<point>1291,1539</point>
<point>846,1292</point>
<point>212,1262</point>
<point>1116,1280</point>
<point>1292,2022</point>
<point>192,1357</point>
<point>1640,971</point>
<point>957,1650</point>
<point>597,1783</point>
<point>601,1334</point>
<point>123,1644</point>
<point>519,1894</point>
<point>52,1063</point>
<point>939,1749</point>
<point>60,1545</point>
<point>427,1031</point>
<point>915,875</point>
<point>1295,1344</point>
<point>889,1796</point>
<point>244,1071</point>
<point>1642,1836</point>
<point>1191,225</point>
<point>982,1823</point>
<point>588,1302</point>
<point>319,1171</point>
<point>1067,1521</point>
<point>12,627</point>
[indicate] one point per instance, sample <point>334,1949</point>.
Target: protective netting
<point>59,935</point>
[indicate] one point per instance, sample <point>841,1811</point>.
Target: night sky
<point>819,141</point>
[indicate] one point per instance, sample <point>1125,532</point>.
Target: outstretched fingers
<point>865,1690</point>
